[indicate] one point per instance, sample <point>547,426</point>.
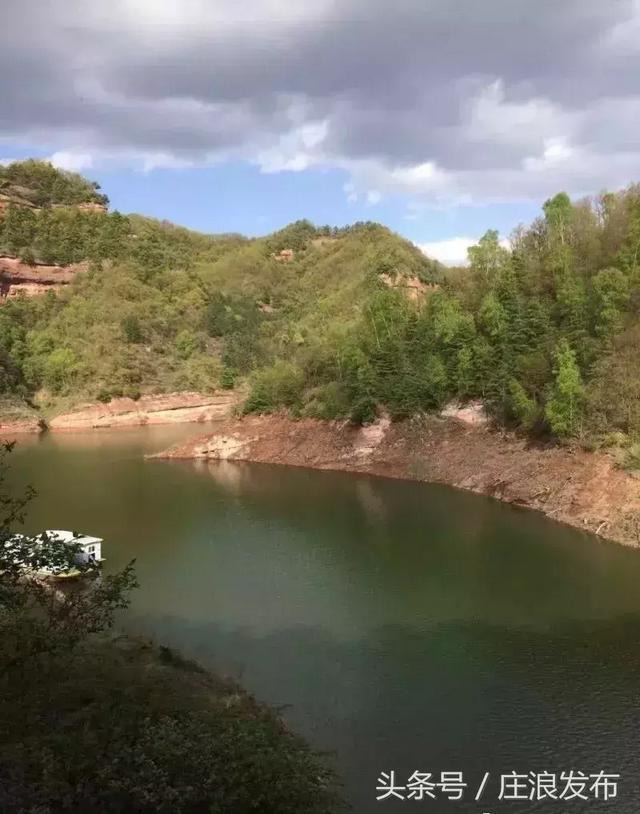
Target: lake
<point>405,626</point>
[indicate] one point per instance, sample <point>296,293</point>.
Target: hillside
<point>331,323</point>
<point>37,184</point>
<point>160,308</point>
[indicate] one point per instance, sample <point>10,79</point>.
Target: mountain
<point>329,322</point>
<point>150,307</point>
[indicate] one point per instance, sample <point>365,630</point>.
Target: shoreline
<point>582,489</point>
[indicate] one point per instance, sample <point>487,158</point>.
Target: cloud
<point>350,192</point>
<point>452,251</point>
<point>442,101</point>
<point>75,162</point>
<point>296,150</point>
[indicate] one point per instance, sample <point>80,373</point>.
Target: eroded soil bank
<point>582,489</point>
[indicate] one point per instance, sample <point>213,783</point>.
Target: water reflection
<point>465,696</point>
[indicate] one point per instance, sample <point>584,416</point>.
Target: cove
<point>405,626</point>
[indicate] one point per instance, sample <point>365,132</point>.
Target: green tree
<point>187,343</point>
<point>59,369</point>
<point>523,407</point>
<point>488,257</point>
<point>131,328</point>
<point>18,229</point>
<point>628,257</point>
<point>565,407</point>
<point>43,184</point>
<point>611,293</point>
<point>558,216</point>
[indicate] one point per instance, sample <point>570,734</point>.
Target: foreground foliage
<point>93,723</point>
<point>120,726</point>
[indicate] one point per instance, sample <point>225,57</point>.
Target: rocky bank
<point>582,489</point>
<point>168,408</point>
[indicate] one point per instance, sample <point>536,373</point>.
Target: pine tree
<point>611,292</point>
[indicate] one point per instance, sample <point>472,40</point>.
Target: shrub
<point>629,458</point>
<point>187,343</point>
<point>328,401</point>
<point>59,369</point>
<point>200,372</point>
<point>227,379</point>
<point>131,392</point>
<point>131,329</point>
<point>273,387</point>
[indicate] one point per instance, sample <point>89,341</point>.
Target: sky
<point>439,118</point>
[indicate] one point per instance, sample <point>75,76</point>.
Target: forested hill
<point>333,322</point>
<point>37,184</point>
<point>162,308</point>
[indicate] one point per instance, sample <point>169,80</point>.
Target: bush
<point>277,386</point>
<point>200,372</point>
<point>327,402</point>
<point>131,329</point>
<point>228,379</point>
<point>364,411</point>
<point>59,369</point>
<point>131,392</point>
<point>27,256</point>
<point>187,343</point>
<point>629,458</point>
<point>120,728</point>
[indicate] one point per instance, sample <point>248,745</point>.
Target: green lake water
<point>405,626</point>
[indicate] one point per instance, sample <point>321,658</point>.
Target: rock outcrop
<point>169,408</point>
<point>413,287</point>
<point>31,280</point>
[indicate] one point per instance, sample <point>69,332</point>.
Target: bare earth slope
<point>576,487</point>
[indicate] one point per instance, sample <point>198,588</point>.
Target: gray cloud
<point>438,99</point>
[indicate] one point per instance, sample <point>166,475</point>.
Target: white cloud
<point>527,123</point>
<point>163,161</point>
<point>555,153</point>
<point>296,150</point>
<point>176,19</point>
<point>452,251</point>
<point>72,161</point>
<point>350,191</point>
